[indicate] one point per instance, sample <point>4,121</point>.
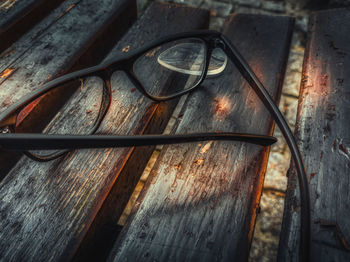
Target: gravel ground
<point>268,224</point>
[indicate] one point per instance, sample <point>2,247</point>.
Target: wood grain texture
<point>47,208</point>
<point>55,49</point>
<point>59,44</point>
<point>323,133</point>
<point>200,201</point>
<point>16,17</point>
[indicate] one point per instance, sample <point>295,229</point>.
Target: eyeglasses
<point>181,62</point>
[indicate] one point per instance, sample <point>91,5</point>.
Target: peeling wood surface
<point>200,201</point>
<point>323,133</point>
<point>47,208</point>
<point>59,43</point>
<point>17,16</point>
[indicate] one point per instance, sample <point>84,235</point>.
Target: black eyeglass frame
<point>125,63</point>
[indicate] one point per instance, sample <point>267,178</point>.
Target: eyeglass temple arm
<point>22,142</point>
<point>269,103</point>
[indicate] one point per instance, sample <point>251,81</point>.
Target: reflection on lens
<point>185,58</point>
<point>177,59</point>
<point>171,68</point>
<point>71,109</point>
<point>218,61</point>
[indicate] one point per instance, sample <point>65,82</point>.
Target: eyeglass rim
<point>7,117</point>
<point>106,68</point>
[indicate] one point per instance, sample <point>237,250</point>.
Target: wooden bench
<point>55,225</point>
<point>57,45</point>
<point>201,200</point>
<point>323,132</point>
<point>16,17</point>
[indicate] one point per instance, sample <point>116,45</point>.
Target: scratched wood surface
<point>323,133</point>
<point>17,16</point>
<point>200,201</point>
<point>58,44</point>
<point>48,208</point>
<point>53,47</point>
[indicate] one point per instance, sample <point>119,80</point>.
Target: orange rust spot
<point>65,11</point>
<point>126,49</point>
<point>152,52</point>
<point>212,13</point>
<point>222,106</point>
<point>6,72</point>
<point>70,7</point>
<point>132,90</point>
<point>198,161</point>
<point>7,52</point>
<point>206,147</point>
<point>178,167</point>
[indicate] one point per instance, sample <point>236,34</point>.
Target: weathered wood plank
<point>54,51</point>
<point>16,17</point>
<point>323,133</point>
<point>58,44</point>
<point>200,201</point>
<point>47,208</point>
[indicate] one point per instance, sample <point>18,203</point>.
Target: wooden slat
<point>323,133</point>
<point>58,44</point>
<point>47,208</point>
<point>16,17</point>
<point>201,200</point>
<point>55,49</point>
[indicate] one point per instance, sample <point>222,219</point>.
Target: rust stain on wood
<point>222,107</point>
<point>178,167</point>
<point>70,7</point>
<point>126,49</point>
<point>7,52</point>
<point>198,161</point>
<point>7,72</point>
<point>152,52</point>
<point>66,11</point>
